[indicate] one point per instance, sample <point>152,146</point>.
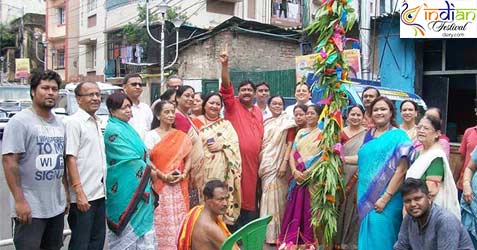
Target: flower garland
<point>333,19</point>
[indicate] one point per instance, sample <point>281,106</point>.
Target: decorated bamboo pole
<point>333,19</point>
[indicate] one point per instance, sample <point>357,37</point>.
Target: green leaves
<point>325,180</point>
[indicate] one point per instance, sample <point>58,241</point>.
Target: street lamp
<point>37,36</point>
<point>162,9</point>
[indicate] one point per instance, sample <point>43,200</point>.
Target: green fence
<point>282,82</point>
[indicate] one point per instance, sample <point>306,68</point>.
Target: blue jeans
<point>88,229</point>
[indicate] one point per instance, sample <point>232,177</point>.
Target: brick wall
<point>247,52</point>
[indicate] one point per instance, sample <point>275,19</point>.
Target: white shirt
<point>151,139</point>
<point>141,118</point>
<point>289,110</point>
<point>84,141</point>
<point>266,112</point>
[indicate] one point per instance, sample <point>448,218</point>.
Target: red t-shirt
<point>249,128</point>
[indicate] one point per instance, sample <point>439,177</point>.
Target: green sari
<point>129,203</point>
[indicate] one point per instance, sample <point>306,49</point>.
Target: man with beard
<point>141,113</point>
<point>263,92</point>
<point>86,164</point>
<point>428,226</point>
<point>33,153</point>
<point>203,227</point>
<point>368,95</point>
<point>247,121</point>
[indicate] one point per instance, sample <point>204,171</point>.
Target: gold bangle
<point>388,193</point>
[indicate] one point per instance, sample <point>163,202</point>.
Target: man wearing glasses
<point>141,112</point>
<point>86,168</point>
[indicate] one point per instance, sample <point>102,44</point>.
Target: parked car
<point>13,98</point>
<point>67,104</point>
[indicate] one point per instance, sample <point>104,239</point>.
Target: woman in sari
<point>382,164</point>
<point>222,156</point>
<point>130,201</point>
<point>469,198</point>
<point>169,149</point>
<point>431,166</point>
<point>274,158</point>
<point>352,137</point>
<point>409,111</point>
<point>296,229</point>
<point>183,122</point>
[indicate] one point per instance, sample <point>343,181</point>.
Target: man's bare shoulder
<point>207,235</point>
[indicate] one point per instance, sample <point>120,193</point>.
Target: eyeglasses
<point>91,95</point>
<point>136,84</point>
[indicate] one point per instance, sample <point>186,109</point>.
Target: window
<point>61,15</point>
<point>91,56</point>
<point>91,6</point>
<point>60,59</point>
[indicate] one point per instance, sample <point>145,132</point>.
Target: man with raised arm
<point>247,120</point>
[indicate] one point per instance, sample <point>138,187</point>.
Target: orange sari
<point>168,155</point>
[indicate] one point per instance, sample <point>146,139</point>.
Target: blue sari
<point>130,201</point>
<point>378,160</point>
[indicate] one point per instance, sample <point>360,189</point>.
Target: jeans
<point>88,229</point>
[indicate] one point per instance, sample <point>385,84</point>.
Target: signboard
<point>304,65</point>
<point>438,19</point>
<point>22,68</point>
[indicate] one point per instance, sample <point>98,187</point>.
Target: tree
<point>7,37</point>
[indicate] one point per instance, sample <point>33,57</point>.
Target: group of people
<point>185,172</point>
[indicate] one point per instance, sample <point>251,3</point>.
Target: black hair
<point>368,88</point>
<point>411,185</point>
<point>210,186</point>
<point>263,84</point>
<point>355,106</point>
<point>180,91</point>
<point>318,108</point>
<point>157,112</point>
<point>275,96</point>
<point>208,96</point>
<point>79,87</point>
<point>129,76</point>
<point>115,101</point>
<point>247,82</point>
<point>391,108</point>
<point>167,94</point>
<point>411,102</point>
<point>299,84</point>
<point>300,106</point>
<point>36,78</point>
<point>438,110</point>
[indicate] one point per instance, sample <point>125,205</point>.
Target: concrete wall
<point>247,52</point>
<point>196,10</point>
<point>398,66</point>
<point>92,35</point>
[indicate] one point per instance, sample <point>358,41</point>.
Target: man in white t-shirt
<point>302,95</point>
<point>141,113</point>
<point>86,168</point>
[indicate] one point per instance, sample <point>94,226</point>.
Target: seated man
<point>428,226</point>
<point>203,228</point>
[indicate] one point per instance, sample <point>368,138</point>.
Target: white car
<point>13,98</point>
<point>67,104</point>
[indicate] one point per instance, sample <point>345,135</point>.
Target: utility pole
<point>22,52</point>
